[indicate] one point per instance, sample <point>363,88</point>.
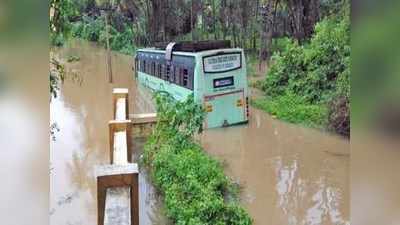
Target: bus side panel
<point>156,84</point>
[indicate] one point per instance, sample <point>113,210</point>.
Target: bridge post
<point>120,101</point>
<point>121,126</point>
<point>121,172</point>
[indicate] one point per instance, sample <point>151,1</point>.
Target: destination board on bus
<point>222,62</point>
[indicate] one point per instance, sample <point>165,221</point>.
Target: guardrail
<point>118,182</point>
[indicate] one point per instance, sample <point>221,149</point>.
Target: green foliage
<point>285,65</point>
<point>310,83</point>
<point>279,44</point>
<point>61,12</point>
<point>194,187</point>
<point>294,109</point>
<point>311,71</point>
<point>57,39</point>
<point>88,28</point>
<point>94,29</point>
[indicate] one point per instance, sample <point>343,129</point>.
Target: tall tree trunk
<point>266,31</point>
<point>223,18</point>
<point>214,19</point>
<point>234,33</point>
<point>108,57</point>
<point>254,30</point>
<point>193,19</point>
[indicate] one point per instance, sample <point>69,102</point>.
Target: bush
<point>311,71</point>
<point>194,187</point>
<point>294,109</point>
<point>57,39</point>
<point>305,81</point>
<point>284,66</point>
<point>94,29</point>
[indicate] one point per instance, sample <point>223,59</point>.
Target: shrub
<point>94,29</point>
<point>57,39</point>
<point>294,109</point>
<point>194,187</point>
<point>285,65</point>
<point>311,71</point>
<point>305,81</point>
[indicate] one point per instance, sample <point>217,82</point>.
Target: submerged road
<point>289,175</point>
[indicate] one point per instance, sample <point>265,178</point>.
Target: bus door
<point>224,109</point>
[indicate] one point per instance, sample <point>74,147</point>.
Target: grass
<point>294,109</point>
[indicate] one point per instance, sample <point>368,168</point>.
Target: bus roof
<point>200,53</point>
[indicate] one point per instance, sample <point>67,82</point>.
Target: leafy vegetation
<point>194,187</point>
<point>311,70</point>
<point>94,29</point>
<point>310,83</point>
<point>294,109</point>
<point>83,19</point>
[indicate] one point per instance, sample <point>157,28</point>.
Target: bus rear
<point>224,87</point>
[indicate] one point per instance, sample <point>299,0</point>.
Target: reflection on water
<point>290,175</point>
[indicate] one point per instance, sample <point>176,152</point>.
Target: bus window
<point>167,72</point>
<point>176,75</point>
<point>159,70</point>
<point>153,69</point>
<point>172,74</point>
<point>144,66</point>
<point>135,63</point>
<point>162,72</point>
<point>185,82</point>
<point>180,77</point>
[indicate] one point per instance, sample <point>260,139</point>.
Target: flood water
<point>289,175</point>
<point>81,139</point>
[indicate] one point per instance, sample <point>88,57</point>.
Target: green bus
<point>212,71</point>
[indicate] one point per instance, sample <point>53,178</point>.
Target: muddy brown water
<point>288,174</point>
<point>82,111</point>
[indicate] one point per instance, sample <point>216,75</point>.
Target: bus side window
<point>185,80</point>
<point>191,79</point>
<point>162,71</point>
<point>144,66</point>
<point>135,64</point>
<point>159,70</point>
<point>153,68</point>
<point>167,73</point>
<point>176,75</point>
<point>180,77</point>
<point>172,74</point>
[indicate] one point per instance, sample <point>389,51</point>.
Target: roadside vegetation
<point>87,20</point>
<point>309,82</point>
<point>193,185</point>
